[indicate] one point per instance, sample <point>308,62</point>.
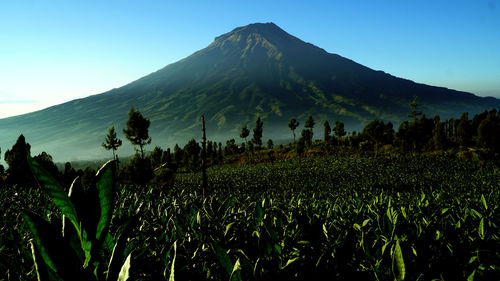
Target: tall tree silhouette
<point>17,159</point>
<point>438,134</point>
<point>309,125</point>
<point>293,124</point>
<point>327,131</point>
<point>112,142</point>
<point>137,130</point>
<point>338,130</point>
<point>414,113</point>
<point>257,133</point>
<point>245,132</point>
<point>413,127</point>
<point>489,132</point>
<point>464,130</point>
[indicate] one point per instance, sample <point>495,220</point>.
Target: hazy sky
<point>55,51</point>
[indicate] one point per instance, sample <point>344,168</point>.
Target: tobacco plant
<point>79,251</point>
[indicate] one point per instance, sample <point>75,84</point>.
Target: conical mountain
<point>255,70</point>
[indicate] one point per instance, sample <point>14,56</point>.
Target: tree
<point>178,155</point>
<point>310,125</point>
<point>423,132</point>
<point>306,137</point>
<point>406,136</point>
<point>338,130</point>
<point>250,146</point>
<point>19,171</point>
<point>245,132</point>
<point>489,132</point>
<point>192,154</point>
<point>112,142</point>
<point>270,144</point>
<point>231,148</point>
<point>411,129</point>
<point>139,169</point>
<point>167,156</point>
<point>414,114</point>
<point>156,157</point>
<point>220,158</point>
<point>438,135</point>
<point>300,145</point>
<point>293,124</point>
<point>379,133</point>
<point>327,131</point>
<point>257,133</point>
<point>464,130</point>
<point>137,130</point>
<point>212,151</point>
<point>45,161</point>
<point>69,174</point>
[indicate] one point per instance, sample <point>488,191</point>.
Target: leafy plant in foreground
<point>76,252</point>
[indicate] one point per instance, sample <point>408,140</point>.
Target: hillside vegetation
<point>254,70</point>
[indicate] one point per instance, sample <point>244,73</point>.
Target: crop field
<point>334,218</point>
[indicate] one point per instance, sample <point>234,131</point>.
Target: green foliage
<point>157,157</point>
<point>18,171</point>
<point>464,131</point>
<point>309,123</point>
<point>257,133</point>
<point>178,155</point>
<point>192,152</point>
<point>112,142</point>
<point>300,147</point>
<point>404,218</point>
<point>398,264</point>
<point>368,219</point>
<point>415,113</point>
<point>327,131</point>
<point>293,124</point>
<point>270,144</point>
<point>305,137</point>
<point>76,252</point>
<point>45,161</point>
<point>378,132</point>
<point>438,135</point>
<point>338,130</point>
<point>245,132</point>
<point>163,176</point>
<point>139,170</point>
<point>137,129</point>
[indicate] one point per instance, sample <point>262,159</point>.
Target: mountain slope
<point>255,70</point>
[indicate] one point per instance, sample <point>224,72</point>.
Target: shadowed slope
<point>255,70</point>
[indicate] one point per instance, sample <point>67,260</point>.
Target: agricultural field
<point>340,218</point>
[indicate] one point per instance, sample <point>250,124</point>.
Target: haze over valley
<point>364,61</point>
<point>254,70</point>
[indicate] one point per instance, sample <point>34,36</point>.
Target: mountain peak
<point>262,38</point>
<point>266,30</point>
<point>254,70</point>
<point>260,27</point>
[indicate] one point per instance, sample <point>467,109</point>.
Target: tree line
<point>419,134</point>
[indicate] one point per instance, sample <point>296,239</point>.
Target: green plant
<point>78,252</point>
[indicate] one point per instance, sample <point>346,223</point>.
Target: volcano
<point>254,70</point>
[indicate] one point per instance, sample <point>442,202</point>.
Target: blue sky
<point>55,51</point>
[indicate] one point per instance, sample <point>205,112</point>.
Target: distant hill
<point>254,70</point>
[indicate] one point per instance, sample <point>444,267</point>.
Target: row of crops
<point>352,218</point>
